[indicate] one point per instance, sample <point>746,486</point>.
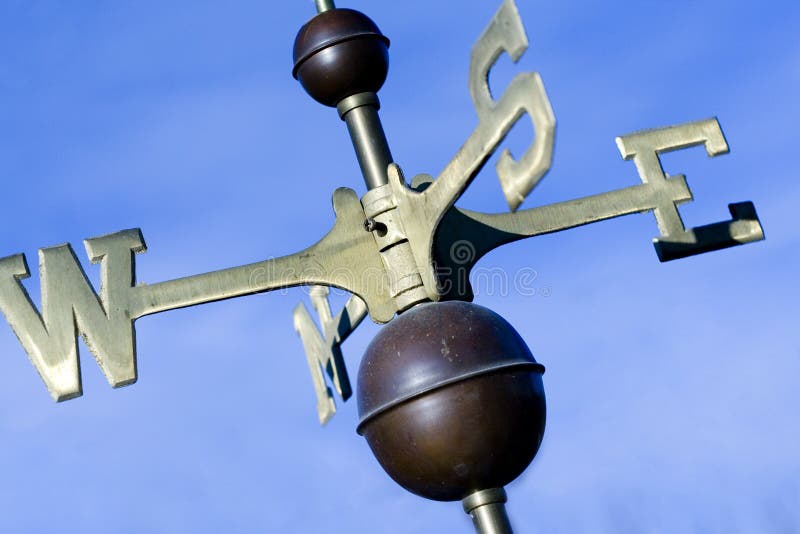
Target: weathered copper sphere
<point>340,53</point>
<point>451,400</point>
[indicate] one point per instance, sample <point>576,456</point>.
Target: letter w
<point>70,306</point>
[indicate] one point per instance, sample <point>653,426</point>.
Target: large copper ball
<point>340,53</point>
<point>451,400</point>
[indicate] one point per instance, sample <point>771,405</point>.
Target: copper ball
<point>451,400</point>
<point>340,53</point>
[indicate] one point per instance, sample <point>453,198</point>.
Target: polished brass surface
<point>441,391</point>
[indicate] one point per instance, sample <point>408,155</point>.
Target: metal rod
<point>360,112</point>
<point>488,511</point>
<point>324,5</point>
<point>491,519</point>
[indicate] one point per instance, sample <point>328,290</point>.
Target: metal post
<point>360,112</point>
<point>324,5</point>
<point>488,511</point>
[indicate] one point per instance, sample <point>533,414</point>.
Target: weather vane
<point>450,398</point>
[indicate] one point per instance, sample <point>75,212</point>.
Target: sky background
<point>672,388</point>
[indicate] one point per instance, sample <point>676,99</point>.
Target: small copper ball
<point>451,400</point>
<point>340,53</point>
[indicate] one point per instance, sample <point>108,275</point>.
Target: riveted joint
<point>380,208</point>
<point>371,225</point>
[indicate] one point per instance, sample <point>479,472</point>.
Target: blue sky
<point>672,388</point>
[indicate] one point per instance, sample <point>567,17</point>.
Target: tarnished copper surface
<point>340,53</point>
<point>451,400</point>
<point>433,345</point>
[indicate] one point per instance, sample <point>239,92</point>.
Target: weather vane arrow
<point>394,251</point>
